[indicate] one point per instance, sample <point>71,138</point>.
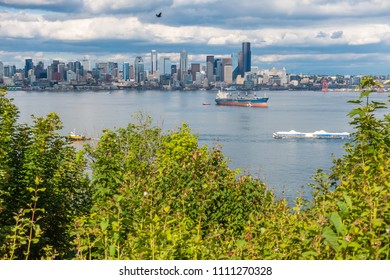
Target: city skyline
<point>312,36</point>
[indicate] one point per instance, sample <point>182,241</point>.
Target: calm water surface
<point>245,134</point>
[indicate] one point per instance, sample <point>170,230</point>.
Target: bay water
<point>245,133</point>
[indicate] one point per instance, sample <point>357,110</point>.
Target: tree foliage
<point>155,195</point>
<point>43,186</point>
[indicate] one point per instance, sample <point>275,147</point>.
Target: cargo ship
<point>320,134</point>
<point>233,98</point>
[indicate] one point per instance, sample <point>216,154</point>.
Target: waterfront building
<point>9,70</point>
<point>132,73</point>
<point>228,74</point>
<point>226,61</point>
<point>49,73</point>
<point>218,69</point>
<point>165,66</point>
<point>210,68</point>
<point>54,66</point>
<point>240,66</point>
<point>246,58</point>
<point>61,71</point>
<point>86,64</point>
<point>71,76</point>
<point>195,68</point>
<point>139,70</point>
<point>153,60</point>
<point>173,69</point>
<point>78,68</point>
<point>1,72</point>
<point>28,66</point>
<point>126,71</point>
<point>183,68</point>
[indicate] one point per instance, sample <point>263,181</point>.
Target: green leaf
<point>355,112</point>
<point>240,244</point>
<point>156,219</point>
<point>336,221</point>
<point>365,93</point>
<point>348,200</point>
<point>112,250</point>
<point>330,238</point>
<point>343,208</point>
<point>103,225</point>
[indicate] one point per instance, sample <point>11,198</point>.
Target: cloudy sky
<point>305,36</point>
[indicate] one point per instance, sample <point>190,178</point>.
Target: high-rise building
<point>240,65</point>
<point>195,68</point>
<point>228,74</point>
<point>9,70</point>
<point>61,71</point>
<point>210,68</point>
<point>218,69</point>
<point>78,68</point>
<point>139,70</point>
<point>132,72</point>
<point>126,71</point>
<point>173,69</point>
<point>28,66</point>
<point>153,60</point>
<point>165,66</point>
<point>246,58</point>
<point>86,64</point>
<point>1,71</point>
<point>183,64</point>
<point>226,61</point>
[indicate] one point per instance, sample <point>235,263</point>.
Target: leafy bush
<point>43,186</point>
<point>161,196</point>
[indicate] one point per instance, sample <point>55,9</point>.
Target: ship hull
<point>312,135</point>
<point>259,102</point>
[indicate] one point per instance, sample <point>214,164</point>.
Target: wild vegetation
<point>155,195</point>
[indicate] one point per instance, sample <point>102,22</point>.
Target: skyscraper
<point>246,58</point>
<point>28,66</point>
<point>226,61</point>
<point>86,65</point>
<point>1,71</point>
<point>153,59</point>
<point>126,71</point>
<point>195,68</point>
<point>165,66</point>
<point>183,64</point>
<point>210,68</point>
<point>139,71</point>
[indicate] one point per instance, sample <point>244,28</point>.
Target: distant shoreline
<point>143,88</point>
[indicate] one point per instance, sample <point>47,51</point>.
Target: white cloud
<point>104,6</point>
<point>22,25</point>
<point>32,2</point>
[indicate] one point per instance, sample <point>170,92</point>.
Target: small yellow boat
<point>76,137</point>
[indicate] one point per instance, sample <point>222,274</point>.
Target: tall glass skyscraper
<point>28,66</point>
<point>126,71</point>
<point>246,58</point>
<point>1,70</point>
<point>183,64</point>
<point>210,68</point>
<point>153,59</point>
<point>165,66</point>
<point>139,70</point>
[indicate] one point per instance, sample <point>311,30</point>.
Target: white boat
<point>320,134</point>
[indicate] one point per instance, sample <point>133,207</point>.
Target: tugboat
<point>73,136</point>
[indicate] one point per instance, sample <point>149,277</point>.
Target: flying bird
<point>158,15</point>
